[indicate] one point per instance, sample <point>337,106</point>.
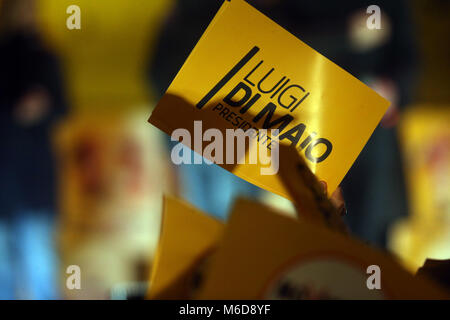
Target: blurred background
<point>82,173</point>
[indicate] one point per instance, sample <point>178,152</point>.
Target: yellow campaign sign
<point>266,255</point>
<point>188,237</point>
<point>248,72</point>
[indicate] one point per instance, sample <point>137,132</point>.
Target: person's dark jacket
<point>27,179</point>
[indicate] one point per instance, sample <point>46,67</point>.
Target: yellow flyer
<point>265,255</point>
<point>246,72</point>
<point>188,237</point>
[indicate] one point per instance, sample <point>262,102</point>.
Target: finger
<point>337,198</point>
<point>324,186</point>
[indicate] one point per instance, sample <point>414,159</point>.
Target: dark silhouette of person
<point>31,101</point>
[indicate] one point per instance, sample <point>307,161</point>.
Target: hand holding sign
<point>246,72</point>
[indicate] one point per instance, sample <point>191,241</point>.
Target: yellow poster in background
<point>248,72</point>
<point>188,238</point>
<point>425,233</point>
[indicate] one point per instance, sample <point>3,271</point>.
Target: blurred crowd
<point>82,172</point>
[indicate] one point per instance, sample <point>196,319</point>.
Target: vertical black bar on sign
<point>228,77</point>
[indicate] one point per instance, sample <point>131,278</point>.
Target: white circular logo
<point>321,278</point>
